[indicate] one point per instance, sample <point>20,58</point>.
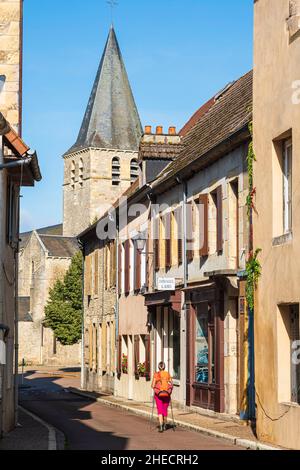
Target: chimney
<point>172,131</point>
<point>159,130</point>
<point>148,130</point>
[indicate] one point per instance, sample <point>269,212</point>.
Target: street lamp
<point>140,241</point>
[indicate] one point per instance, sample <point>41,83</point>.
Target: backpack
<point>163,388</point>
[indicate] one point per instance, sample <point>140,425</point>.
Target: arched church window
<point>80,175</point>
<point>73,169</point>
<point>116,171</point>
<point>134,170</point>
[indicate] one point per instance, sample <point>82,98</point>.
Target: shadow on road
<point>68,413</point>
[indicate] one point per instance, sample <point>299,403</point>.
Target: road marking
<point>52,444</point>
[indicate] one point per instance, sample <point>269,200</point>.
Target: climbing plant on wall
<point>253,266</point>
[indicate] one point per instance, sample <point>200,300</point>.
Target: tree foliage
<point>63,311</point>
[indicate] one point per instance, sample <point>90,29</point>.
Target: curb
<point>52,432</point>
<point>245,443</point>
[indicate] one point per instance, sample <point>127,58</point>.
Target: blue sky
<point>178,53</point>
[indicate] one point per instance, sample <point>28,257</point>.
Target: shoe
<point>161,429</point>
<point>165,426</point>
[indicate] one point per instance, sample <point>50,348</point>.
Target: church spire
<point>111,119</point>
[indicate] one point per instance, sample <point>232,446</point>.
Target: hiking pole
<point>174,425</point>
<point>151,417</point>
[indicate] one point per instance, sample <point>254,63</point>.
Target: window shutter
<point>91,346</point>
<point>112,280</point>
<point>156,242</point>
<point>87,275</point>
<point>96,273</point>
<point>147,262</point>
<point>179,235</point>
<point>112,346</point>
<point>136,353</point>
<point>148,355</point>
<point>190,230</point>
<point>120,269</point>
<point>219,219</point>
<point>104,347</point>
<point>137,276</point>
<point>127,267</point>
<point>168,241</point>
<point>203,204</point>
<point>119,364</point>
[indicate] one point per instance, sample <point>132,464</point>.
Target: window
<point>233,222</point>
<point>80,176</point>
<point>12,215</point>
<point>190,226</point>
<point>73,171</point>
<point>288,331</point>
<point>217,216</point>
<point>134,170</point>
<point>293,20</point>
<point>287,186</point>
<point>282,163</point>
<point>205,344</point>
<point>167,342</point>
<point>116,172</point>
<point>179,234</point>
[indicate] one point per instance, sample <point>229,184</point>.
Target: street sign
<point>166,283</point>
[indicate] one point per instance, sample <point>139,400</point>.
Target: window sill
<point>283,239</point>
<point>290,404</point>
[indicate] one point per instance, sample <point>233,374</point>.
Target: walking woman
<point>162,385</point>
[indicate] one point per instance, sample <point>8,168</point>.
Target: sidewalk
<point>32,434</point>
<point>230,430</point>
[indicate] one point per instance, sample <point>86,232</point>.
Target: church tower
<point>102,163</point>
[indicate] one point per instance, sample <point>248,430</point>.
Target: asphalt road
<point>88,425</point>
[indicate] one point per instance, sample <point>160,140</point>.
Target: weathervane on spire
<point>113,4</point>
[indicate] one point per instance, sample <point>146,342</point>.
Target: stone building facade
<point>43,259</point>
<point>276,223</point>
<point>14,154</point>
<point>11,61</point>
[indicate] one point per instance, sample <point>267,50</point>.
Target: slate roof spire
<point>111,119</point>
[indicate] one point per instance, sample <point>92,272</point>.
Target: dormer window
<point>116,172</point>
<point>134,170</point>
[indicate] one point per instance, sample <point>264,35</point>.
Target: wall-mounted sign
<point>166,283</point>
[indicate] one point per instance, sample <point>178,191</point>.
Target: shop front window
<point>205,345</point>
<point>176,346</point>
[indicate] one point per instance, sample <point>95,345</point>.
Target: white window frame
<point>287,163</point>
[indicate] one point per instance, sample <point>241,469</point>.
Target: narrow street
<point>88,425</point>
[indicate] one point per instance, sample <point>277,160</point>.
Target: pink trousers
<point>162,404</point>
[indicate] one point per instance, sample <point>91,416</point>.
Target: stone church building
<point>98,168</point>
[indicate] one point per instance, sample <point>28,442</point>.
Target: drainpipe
<point>2,212</point>
<point>23,162</point>
<point>251,365</point>
<point>16,376</point>
<point>117,307</point>
<point>82,375</point>
<point>185,284</point>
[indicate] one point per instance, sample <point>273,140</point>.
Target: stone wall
<point>88,188</point>
<point>38,273</point>
<point>10,67</point>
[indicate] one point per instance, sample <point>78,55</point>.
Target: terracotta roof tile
<point>230,113</point>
